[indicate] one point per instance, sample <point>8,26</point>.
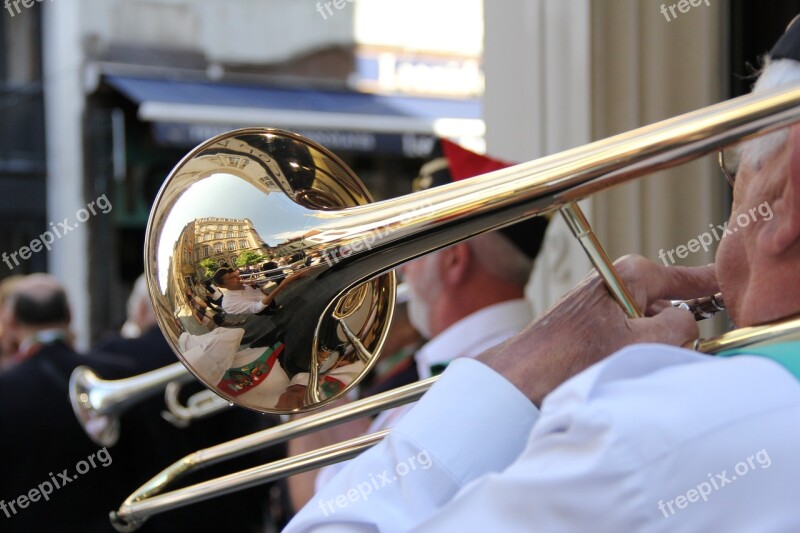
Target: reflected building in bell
<point>206,244</point>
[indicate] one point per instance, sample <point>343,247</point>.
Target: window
<point>218,235</point>
<point>218,248</point>
<point>231,246</point>
<point>206,251</point>
<point>230,234</point>
<point>207,237</point>
<point>242,244</point>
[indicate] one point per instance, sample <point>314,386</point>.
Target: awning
<point>186,112</point>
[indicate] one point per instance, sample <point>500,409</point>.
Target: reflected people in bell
<point>258,348</point>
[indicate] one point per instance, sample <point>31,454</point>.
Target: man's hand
<point>587,325</point>
<point>293,397</point>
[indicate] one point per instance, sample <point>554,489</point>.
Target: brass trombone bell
<point>256,200</point>
<point>98,403</point>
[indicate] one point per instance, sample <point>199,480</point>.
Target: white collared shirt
<point>245,301</point>
<point>653,438</point>
<point>469,337</point>
<point>474,334</point>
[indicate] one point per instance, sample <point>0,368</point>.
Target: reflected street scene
<point>237,289</point>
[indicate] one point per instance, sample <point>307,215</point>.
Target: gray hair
<point>498,256</point>
<point>139,296</point>
<point>141,314</point>
<point>774,74</point>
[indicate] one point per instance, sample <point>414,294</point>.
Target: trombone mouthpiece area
<point>702,308</point>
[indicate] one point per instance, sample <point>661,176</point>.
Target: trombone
<point>199,405</point>
<point>444,215</point>
<point>99,403</point>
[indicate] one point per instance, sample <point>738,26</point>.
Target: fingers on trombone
<point>658,306</point>
<point>670,326</point>
<point>650,282</point>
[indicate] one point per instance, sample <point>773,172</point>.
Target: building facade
<point>206,244</point>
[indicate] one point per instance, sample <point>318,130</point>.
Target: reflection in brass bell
<point>255,295</point>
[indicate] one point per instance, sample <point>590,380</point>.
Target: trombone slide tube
<point>136,508</point>
<point>428,220</point>
<point>122,521</point>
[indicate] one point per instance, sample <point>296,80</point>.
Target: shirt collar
<point>474,334</point>
<point>33,343</point>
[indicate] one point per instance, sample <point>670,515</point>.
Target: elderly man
<point>551,432</point>
<point>470,296</point>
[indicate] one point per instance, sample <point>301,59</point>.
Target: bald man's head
<point>39,300</point>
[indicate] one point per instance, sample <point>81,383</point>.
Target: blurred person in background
<point>396,365</point>
<point>7,346</point>
<point>464,299</point>
<point>40,438</point>
<point>140,315</point>
<point>140,337</point>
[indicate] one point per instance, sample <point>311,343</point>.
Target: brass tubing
<point>582,230</point>
<point>275,435</point>
<point>122,520</point>
<point>457,211</point>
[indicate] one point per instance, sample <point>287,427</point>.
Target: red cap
<point>465,163</point>
<point>459,164</point>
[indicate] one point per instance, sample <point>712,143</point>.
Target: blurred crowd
<point>41,437</point>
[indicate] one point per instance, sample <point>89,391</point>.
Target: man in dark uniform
<point>53,477</point>
<point>149,443</point>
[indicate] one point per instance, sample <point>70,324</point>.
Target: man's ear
<point>786,230</point>
<point>454,263</point>
<point>12,328</point>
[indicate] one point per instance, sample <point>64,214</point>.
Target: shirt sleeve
<point>257,307</point>
<point>247,302</point>
<point>473,422</point>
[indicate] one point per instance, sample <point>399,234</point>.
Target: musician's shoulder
<point>655,398</point>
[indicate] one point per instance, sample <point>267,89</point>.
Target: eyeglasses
<point>729,162</point>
